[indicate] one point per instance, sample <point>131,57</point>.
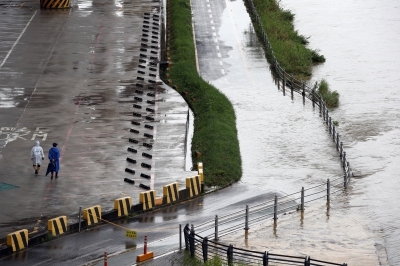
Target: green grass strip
<point>215,134</point>
<point>289,46</point>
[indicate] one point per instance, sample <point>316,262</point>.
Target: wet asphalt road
<point>161,227</point>
<point>70,76</point>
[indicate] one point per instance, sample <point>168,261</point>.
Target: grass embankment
<point>215,134</point>
<point>290,47</point>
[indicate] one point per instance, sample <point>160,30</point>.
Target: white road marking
<point>220,62</point>
<point>217,47</point>
<point>219,55</point>
<point>214,34</point>
<point>12,48</point>
<point>223,71</point>
<point>210,16</point>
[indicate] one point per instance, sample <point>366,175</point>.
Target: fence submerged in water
<point>285,80</point>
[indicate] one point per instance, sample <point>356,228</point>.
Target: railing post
<point>341,149</point>
<point>246,221</point>
<point>327,117</point>
<point>328,191</point>
<point>284,79</point>
<point>302,199</point>
<point>333,133</point>
<point>216,228</point>
<point>304,90</point>
<point>345,180</point>
<point>276,209</point>
<point>344,160</point>
<point>205,249</point>
<point>330,124</point>
<point>186,236</point>
<point>337,141</point>
<point>307,261</point>
<point>191,239</point>
<point>230,255</point>
<point>265,259</point>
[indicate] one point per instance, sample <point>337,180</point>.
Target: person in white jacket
<point>37,155</point>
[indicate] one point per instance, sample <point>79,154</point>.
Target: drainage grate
<point>4,186</point>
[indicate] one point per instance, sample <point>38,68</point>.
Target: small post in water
<point>276,209</point>
<point>302,199</point>
<point>246,218</point>
<point>216,228</point>
<point>80,212</point>
<point>328,191</point>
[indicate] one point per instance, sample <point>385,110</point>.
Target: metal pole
<point>337,141</point>
<point>216,228</point>
<point>80,212</point>
<point>191,238</point>
<point>230,255</point>
<point>276,208</point>
<point>344,160</point>
<point>180,237</point>
<point>246,221</point>
<point>105,259</point>
<point>204,245</point>
<point>265,259</point>
<point>302,198</point>
<point>341,149</point>
<point>327,117</point>
<point>284,80</point>
<point>328,190</point>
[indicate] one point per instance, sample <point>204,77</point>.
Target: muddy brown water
<point>283,142</point>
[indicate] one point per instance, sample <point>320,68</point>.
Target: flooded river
<point>360,40</point>
<point>283,142</point>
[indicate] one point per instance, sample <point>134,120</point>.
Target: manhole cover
<point>4,186</point>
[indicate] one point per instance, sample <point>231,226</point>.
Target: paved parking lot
<point>70,76</point>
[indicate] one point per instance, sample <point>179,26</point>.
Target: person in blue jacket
<point>54,156</point>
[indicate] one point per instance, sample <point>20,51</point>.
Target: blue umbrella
<point>50,168</point>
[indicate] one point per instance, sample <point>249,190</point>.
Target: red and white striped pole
<point>105,259</point>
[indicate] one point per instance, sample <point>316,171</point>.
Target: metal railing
<point>301,87</point>
<point>230,255</point>
<point>271,209</point>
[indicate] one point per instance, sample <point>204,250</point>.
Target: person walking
<point>54,156</point>
<point>37,155</point>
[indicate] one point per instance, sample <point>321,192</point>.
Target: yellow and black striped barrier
<point>148,199</point>
<point>55,3</point>
<point>171,192</point>
<point>123,205</point>
<point>18,240</point>
<point>92,214</point>
<point>57,226</point>
<point>193,184</point>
